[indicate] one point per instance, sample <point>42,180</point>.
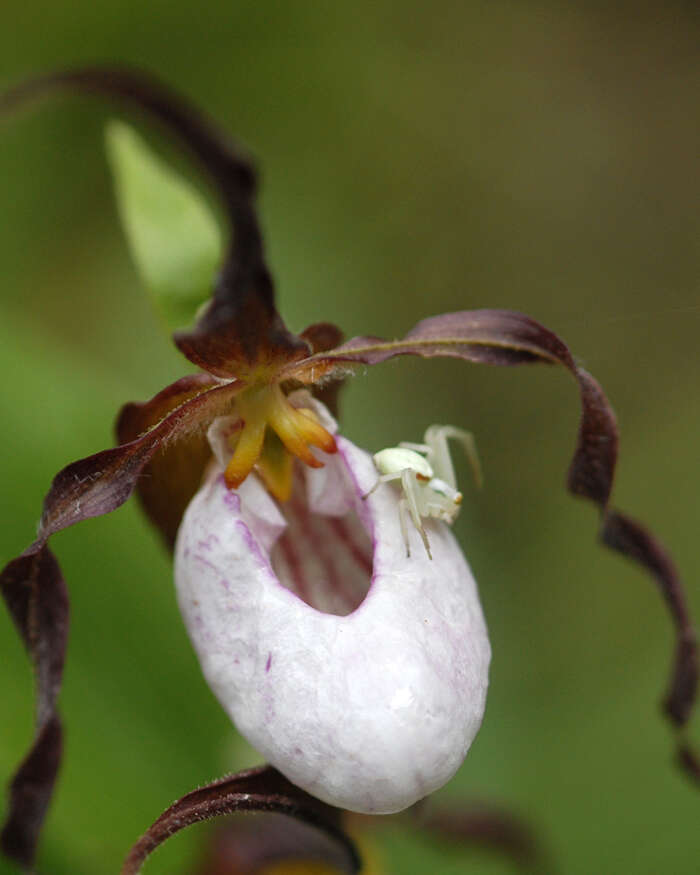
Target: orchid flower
<point>358,671</point>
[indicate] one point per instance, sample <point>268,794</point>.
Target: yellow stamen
<point>275,467</point>
<point>297,429</point>
<point>248,449</point>
<point>315,433</point>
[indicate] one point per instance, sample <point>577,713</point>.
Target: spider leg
<point>436,438</point>
<point>417,448</point>
<point>409,484</point>
<point>403,510</point>
<point>385,478</point>
<point>438,512</point>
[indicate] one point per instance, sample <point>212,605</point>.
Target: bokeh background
<point>416,158</point>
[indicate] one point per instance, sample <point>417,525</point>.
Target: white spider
<point>427,477</point>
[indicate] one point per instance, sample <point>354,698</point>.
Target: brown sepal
<point>99,484</point>
<point>261,789</point>
<point>487,826</point>
<point>689,762</point>
<point>629,538</point>
<point>173,475</point>
<point>36,596</point>
<point>323,336</point>
<point>250,845</point>
<point>240,334</point>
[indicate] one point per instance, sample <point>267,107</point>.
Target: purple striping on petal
<point>307,529</point>
<point>325,560</point>
<point>209,542</point>
<point>203,561</point>
<point>250,541</point>
<point>363,512</point>
<point>294,567</point>
<point>340,528</point>
<point>269,661</point>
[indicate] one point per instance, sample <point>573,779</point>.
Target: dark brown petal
<point>486,826</point>
<point>35,594</point>
<point>629,538</point>
<point>263,789</point>
<point>321,337</point>
<point>249,845</point>
<point>101,483</point>
<point>173,475</point>
<point>240,333</point>
<point>500,337</point>
<point>240,327</point>
<point>503,337</point>
<point>689,762</point>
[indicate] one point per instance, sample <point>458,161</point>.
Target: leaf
<point>174,238</point>
<point>240,326</point>
<point>260,789</point>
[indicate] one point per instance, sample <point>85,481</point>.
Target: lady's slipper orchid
<point>365,693</point>
<point>358,671</point>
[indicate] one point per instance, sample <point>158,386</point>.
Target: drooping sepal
<point>273,843</point>
<point>262,789</point>
<point>172,476</point>
<point>322,336</point>
<point>626,536</point>
<point>101,483</point>
<point>240,334</point>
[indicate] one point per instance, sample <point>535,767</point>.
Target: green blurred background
<point>416,158</point>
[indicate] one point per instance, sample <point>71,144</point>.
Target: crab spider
<point>427,477</point>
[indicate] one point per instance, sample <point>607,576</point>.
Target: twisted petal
<point>34,590</point>
<point>366,691</point>
<point>35,594</point>
<point>262,790</point>
<point>173,474</point>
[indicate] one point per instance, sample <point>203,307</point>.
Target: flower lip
<point>368,711</point>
